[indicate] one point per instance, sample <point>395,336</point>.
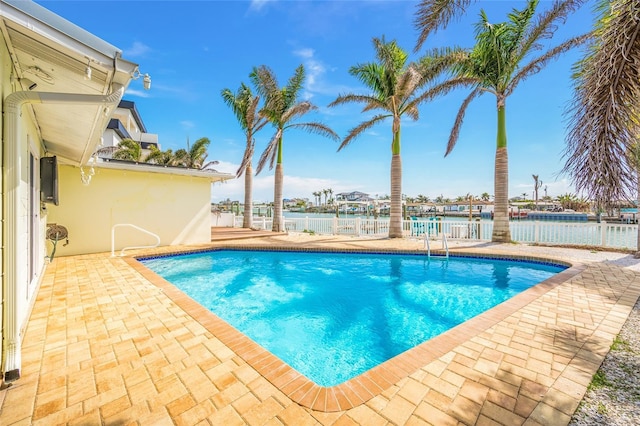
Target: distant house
<point>290,203</point>
<point>353,196</point>
<point>126,124</point>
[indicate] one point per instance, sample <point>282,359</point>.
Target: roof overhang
<point>53,53</point>
<point>211,175</point>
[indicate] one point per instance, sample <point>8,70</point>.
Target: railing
<point>119,225</point>
<point>445,245</point>
<point>569,233</point>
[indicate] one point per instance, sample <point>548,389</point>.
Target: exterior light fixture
<point>146,82</point>
<point>87,71</point>
<point>146,79</point>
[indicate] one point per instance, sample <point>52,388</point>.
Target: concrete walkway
<point>110,343</point>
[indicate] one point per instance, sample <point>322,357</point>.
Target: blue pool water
<point>333,316</point>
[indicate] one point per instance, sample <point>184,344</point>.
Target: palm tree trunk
<point>501,232</point>
<point>277,200</point>
<point>247,221</point>
<point>395,215</point>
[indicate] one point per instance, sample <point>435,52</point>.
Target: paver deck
<point>108,343</point>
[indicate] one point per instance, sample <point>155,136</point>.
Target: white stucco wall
<point>176,208</point>
<point>26,284</point>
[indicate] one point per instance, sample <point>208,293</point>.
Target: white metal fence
<point>571,233</point>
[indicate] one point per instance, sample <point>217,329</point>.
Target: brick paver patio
<point>108,343</point>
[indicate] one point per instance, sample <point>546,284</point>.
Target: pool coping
<point>375,381</point>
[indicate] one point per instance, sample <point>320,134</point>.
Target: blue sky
<point>194,49</point>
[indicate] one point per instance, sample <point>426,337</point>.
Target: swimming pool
<point>333,316</point>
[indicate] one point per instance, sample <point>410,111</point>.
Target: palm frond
<point>437,61</point>
<point>372,76</point>
<point>455,130</point>
<point>604,121</point>
<point>129,150</point>
<point>412,111</point>
<point>291,91</point>
<point>264,80</point>
<point>547,23</point>
<point>384,104</point>
<point>359,129</point>
<point>208,165</point>
<point>434,14</point>
<point>317,128</point>
<point>246,159</point>
<point>198,152</point>
<point>298,110</point>
<point>445,87</point>
<point>269,154</point>
<point>408,83</point>
<point>354,98</point>
<point>539,63</point>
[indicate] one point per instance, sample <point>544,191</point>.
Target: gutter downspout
<point>14,225</point>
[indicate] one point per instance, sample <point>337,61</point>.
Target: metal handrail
<point>444,244</point>
<point>113,238</point>
<point>426,244</point>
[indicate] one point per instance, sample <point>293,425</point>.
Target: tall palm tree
<point>245,107</point>
<point>604,122</point>
<point>504,56</point>
<point>316,194</point>
<point>395,91</point>
<point>281,108</point>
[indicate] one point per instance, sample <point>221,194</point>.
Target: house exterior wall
<point>30,268</point>
<point>176,208</point>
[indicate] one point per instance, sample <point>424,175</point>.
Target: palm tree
<point>537,183</point>
<point>245,107</point>
<point>157,156</point>
<point>281,108</point>
<point>330,192</point>
<point>485,196</point>
<point>193,157</point>
<point>316,194</point>
<point>604,124</point>
<point>129,150</point>
<point>395,90</point>
<point>497,64</point>
<point>568,200</point>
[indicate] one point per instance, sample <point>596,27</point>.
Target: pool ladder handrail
<point>113,238</point>
<point>444,244</point>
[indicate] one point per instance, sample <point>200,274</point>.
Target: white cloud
<point>138,93</point>
<point>294,186</point>
<point>257,5</point>
<point>304,53</point>
<point>136,50</point>
<point>186,124</point>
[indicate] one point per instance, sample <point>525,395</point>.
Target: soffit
<point>56,62</point>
